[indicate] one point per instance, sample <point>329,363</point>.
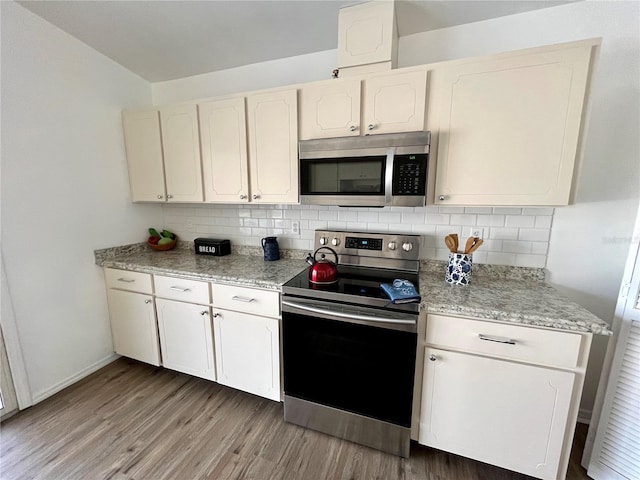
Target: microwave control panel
<point>409,174</point>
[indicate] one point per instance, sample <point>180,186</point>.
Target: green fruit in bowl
<point>165,241</point>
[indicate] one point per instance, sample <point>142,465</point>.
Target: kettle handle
<point>326,248</point>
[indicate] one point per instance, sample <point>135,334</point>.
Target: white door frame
<point>12,343</point>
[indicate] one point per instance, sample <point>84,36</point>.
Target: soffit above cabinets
<point>165,40</point>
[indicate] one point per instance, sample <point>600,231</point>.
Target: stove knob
<point>392,245</point>
<point>323,240</point>
<point>407,246</point>
<point>335,242</point>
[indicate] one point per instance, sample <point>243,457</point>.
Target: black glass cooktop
<point>359,285</point>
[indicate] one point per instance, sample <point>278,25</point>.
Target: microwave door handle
<point>388,177</point>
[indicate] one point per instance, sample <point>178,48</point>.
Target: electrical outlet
<point>295,228</point>
<point>190,225</point>
<point>476,232</point>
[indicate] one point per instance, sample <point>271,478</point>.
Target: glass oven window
<point>357,368</point>
<point>344,176</point>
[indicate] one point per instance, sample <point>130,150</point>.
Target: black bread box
<point>212,246</point>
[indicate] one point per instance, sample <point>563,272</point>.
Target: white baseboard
<point>584,416</point>
<point>38,397</point>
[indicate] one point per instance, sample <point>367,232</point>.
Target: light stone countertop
<point>513,295</point>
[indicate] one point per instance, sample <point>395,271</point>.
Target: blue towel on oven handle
<point>401,291</point>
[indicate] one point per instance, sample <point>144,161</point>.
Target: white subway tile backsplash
<point>543,222</point>
<point>462,219</point>
<point>512,236</point>
<point>534,234</point>
<point>520,221</point>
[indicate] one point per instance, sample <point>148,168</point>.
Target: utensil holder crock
<point>459,269</point>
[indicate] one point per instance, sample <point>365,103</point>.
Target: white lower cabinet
<point>248,352</point>
<point>499,412</point>
<point>247,339</point>
<point>133,325</point>
<point>186,337</point>
<point>501,394</point>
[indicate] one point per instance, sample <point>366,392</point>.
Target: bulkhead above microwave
<point>369,171</point>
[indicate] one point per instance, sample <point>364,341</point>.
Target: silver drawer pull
<point>243,299</point>
<point>180,289</point>
<point>491,338</point>
<point>126,280</point>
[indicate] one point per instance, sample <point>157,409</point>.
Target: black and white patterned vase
<point>459,269</point>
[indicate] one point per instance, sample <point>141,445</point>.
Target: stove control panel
<point>370,245</point>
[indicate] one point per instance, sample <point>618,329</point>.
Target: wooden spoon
<point>475,245</point>
<point>450,243</point>
<point>469,244</point>
<point>455,239</point>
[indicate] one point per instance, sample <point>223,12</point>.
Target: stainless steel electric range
<point>349,353</point>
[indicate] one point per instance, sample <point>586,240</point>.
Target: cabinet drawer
<point>192,291</point>
<point>249,300</point>
<point>507,341</point>
<point>126,280</point>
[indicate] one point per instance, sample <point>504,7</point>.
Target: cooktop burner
<point>359,285</point>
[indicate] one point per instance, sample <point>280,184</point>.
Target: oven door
<point>351,358</point>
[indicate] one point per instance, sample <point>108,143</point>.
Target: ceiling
<point>164,39</point>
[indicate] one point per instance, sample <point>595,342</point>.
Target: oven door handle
<point>347,316</point>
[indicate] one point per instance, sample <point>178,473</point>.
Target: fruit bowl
<point>166,246</point>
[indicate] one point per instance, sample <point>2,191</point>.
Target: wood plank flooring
<point>134,421</point>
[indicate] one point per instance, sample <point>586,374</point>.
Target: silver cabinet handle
<point>179,289</point>
<point>441,197</point>
<point>160,197</point>
<point>169,196</point>
<point>243,197</point>
<point>243,299</point>
<point>126,280</point>
<point>255,197</point>
<point>204,312</point>
<point>432,357</point>
<point>371,126</point>
<point>147,301</point>
<point>353,128</point>
<point>491,338</point>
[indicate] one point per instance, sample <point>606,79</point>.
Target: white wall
<point>589,240</point>
<point>64,193</point>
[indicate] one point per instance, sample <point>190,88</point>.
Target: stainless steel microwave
<point>374,170</point>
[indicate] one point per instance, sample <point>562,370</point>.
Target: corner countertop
<point>504,294</point>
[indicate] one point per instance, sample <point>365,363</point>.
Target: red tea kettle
<point>322,271</point>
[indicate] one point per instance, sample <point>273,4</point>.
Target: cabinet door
<point>223,136</point>
<point>367,34</point>
<point>133,326</point>
<point>186,338</point>
<point>509,128</point>
<point>395,103</point>
<point>248,353</point>
<point>273,147</point>
<point>181,144</point>
<point>143,143</point>
<point>503,413</point>
<point>330,109</point>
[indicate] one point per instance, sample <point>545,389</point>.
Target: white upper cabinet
<point>391,103</point>
<point>395,102</point>
<point>508,127</point>
<point>273,146</point>
<point>144,155</point>
<point>181,145</point>
<point>223,137</point>
<point>330,109</point>
<point>367,34</point>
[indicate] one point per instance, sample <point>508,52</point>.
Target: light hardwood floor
<point>134,421</point>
